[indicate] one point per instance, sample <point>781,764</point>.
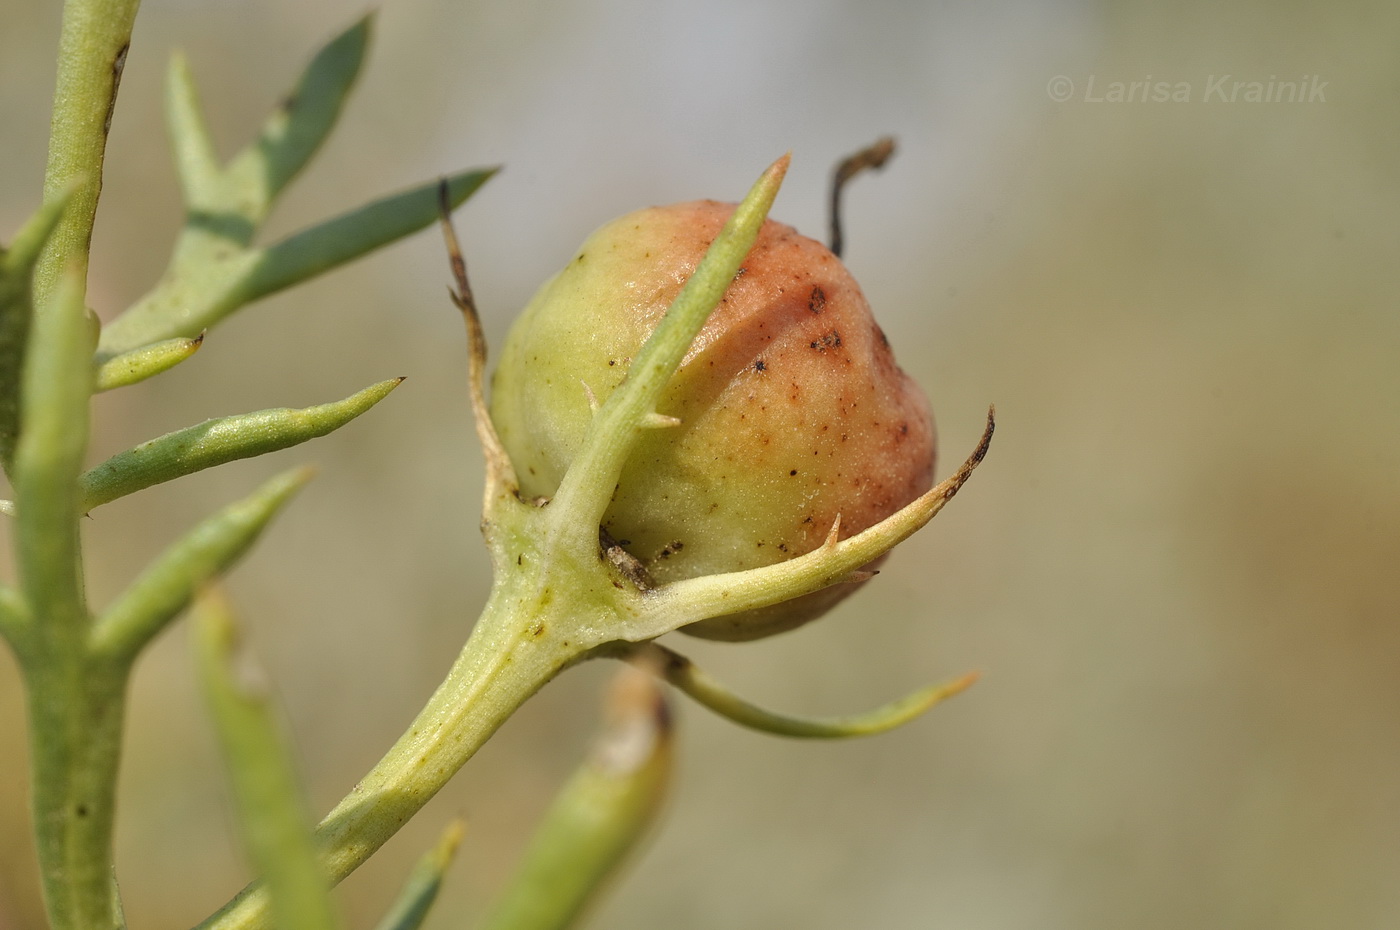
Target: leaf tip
<point>302,475</point>
<point>451,840</point>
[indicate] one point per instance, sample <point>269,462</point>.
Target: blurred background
<point>1176,568</point>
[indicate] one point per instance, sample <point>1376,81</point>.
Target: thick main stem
<point>75,721</point>
<point>513,652</point>
<point>75,703</point>
<point>91,54</point>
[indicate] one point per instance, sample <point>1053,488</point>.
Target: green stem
<point>75,704</point>
<point>76,709</point>
<point>515,649</point>
<point>91,54</point>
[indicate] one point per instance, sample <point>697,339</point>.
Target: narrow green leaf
<point>421,889</point>
<point>350,235</point>
<point>218,441</point>
<point>597,818</point>
<point>214,280</point>
<point>196,163</point>
<point>271,811</point>
<point>299,124</point>
<point>146,362</point>
<point>687,678</point>
<point>164,589</point>
<point>56,386</point>
<point>16,311</point>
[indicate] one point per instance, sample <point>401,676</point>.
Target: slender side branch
<point>674,605</point>
<point>500,473</point>
<point>588,485</point>
<point>874,156</point>
<point>687,678</point>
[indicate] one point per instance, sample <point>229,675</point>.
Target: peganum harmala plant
<point>570,471</point>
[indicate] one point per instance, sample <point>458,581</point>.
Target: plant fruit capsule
<point>792,410</point>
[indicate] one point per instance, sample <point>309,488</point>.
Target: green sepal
<point>146,362</point>
<point>272,814</point>
<point>168,584</point>
<point>218,441</point>
<point>419,892</point>
<point>706,691</point>
<point>836,561</point>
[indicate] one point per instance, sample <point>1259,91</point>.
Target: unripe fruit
<point>792,410</point>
